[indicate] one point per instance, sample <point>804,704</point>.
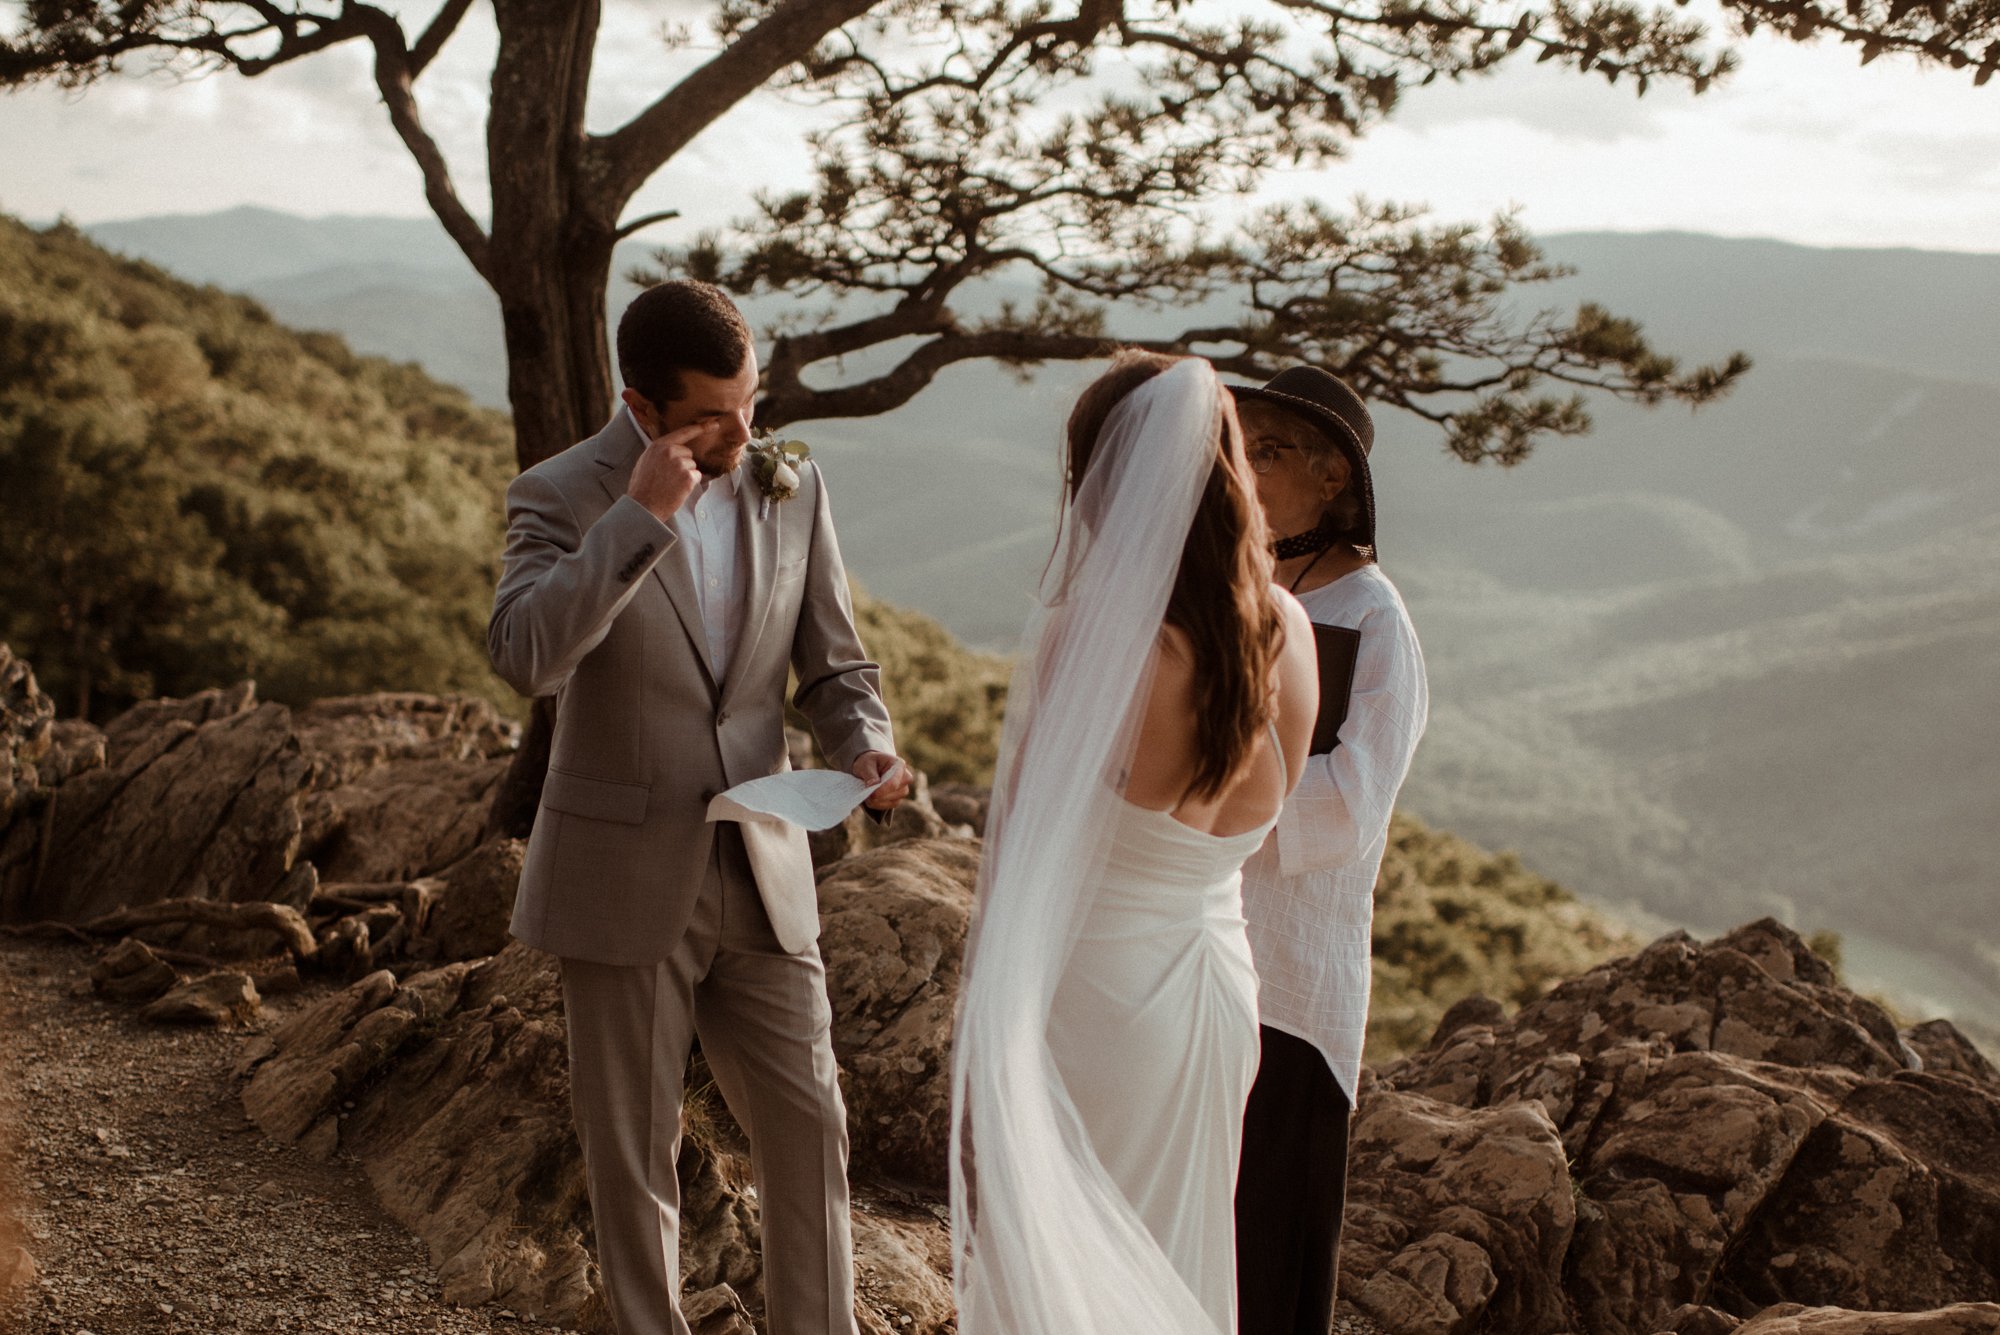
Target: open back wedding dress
<point>1107,1031</point>
<point>1154,1032</point>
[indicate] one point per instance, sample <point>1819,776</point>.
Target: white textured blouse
<point>1309,892</point>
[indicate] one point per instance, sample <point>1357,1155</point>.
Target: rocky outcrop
<point>893,935</point>
<point>220,797</point>
<point>1723,1127</point>
<point>1797,1319</point>
<point>472,903</point>
<point>451,1090</point>
<point>1695,1138</point>
<point>401,782</point>
<point>1677,1141</point>
<point>38,751</point>
<point>1455,1216</point>
<point>197,799</point>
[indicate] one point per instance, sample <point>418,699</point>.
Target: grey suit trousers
<point>766,1030</point>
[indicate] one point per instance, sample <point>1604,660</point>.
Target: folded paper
<point>816,799</point>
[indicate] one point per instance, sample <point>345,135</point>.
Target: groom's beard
<point>713,469</point>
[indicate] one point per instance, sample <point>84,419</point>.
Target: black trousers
<point>1290,1190</point>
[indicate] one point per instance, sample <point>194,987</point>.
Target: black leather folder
<point>1338,646</point>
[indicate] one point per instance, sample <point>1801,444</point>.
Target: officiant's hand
<point>666,473</point>
<point>875,765</point>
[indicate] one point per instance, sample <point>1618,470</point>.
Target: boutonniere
<point>775,464</point>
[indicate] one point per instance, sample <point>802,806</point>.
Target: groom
<point>660,595</point>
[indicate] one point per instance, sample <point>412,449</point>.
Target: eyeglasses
<point>1263,454</point>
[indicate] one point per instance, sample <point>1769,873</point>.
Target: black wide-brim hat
<point>1325,400</point>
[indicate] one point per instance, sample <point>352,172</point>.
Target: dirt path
<point>150,1204</point>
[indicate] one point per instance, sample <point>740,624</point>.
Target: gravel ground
<point>151,1204</point>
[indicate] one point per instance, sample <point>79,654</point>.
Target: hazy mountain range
<point>1696,666</point>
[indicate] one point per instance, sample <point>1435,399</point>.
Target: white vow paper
<point>817,799</point>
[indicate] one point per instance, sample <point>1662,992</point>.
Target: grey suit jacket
<point>597,606</point>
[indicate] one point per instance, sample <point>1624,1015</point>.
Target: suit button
<point>723,717</point>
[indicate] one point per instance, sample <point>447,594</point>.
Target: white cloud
<point>1547,99</point>
<point>1800,143</point>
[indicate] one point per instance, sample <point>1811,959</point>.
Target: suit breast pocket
<point>790,570</point>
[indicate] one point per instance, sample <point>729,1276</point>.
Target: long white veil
<point>1045,1242</point>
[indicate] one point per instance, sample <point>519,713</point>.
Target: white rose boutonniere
<point>775,464</point>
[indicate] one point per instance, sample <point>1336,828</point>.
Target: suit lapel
<point>757,555</point>
<point>618,448</point>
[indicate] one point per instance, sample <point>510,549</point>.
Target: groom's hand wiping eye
<point>667,472</point>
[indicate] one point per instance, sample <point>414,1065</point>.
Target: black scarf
<point>1315,539</point>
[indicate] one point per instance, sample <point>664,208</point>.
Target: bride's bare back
<point>1165,759</point>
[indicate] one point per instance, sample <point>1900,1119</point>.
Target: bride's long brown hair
<point>1221,597</point>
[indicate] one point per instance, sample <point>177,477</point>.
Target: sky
<point>1800,144</point>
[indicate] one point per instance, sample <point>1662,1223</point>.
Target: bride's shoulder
<point>1173,674</point>
<point>1292,613</point>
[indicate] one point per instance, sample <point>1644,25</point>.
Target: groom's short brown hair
<point>681,325</point>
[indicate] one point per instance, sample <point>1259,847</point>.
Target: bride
<point>1107,1030</point>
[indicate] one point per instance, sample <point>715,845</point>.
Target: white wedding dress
<point>1107,1023</point>
<point>1154,1030</point>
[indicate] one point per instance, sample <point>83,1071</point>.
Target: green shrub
<point>946,700</point>
<point>1452,919</point>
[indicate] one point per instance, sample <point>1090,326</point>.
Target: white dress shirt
<point>1309,892</point>
<point>707,525</point>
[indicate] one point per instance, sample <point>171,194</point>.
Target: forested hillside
<point>195,494</point>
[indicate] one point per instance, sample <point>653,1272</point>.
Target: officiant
<point>1309,892</point>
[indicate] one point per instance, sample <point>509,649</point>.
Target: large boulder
<point>451,1089</point>
<point>892,932</point>
<point>1891,1204</point>
<point>1740,1131</point>
<point>1457,1218</point>
<point>221,797</point>
<point>473,902</point>
<point>402,784</point>
<point>197,799</point>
